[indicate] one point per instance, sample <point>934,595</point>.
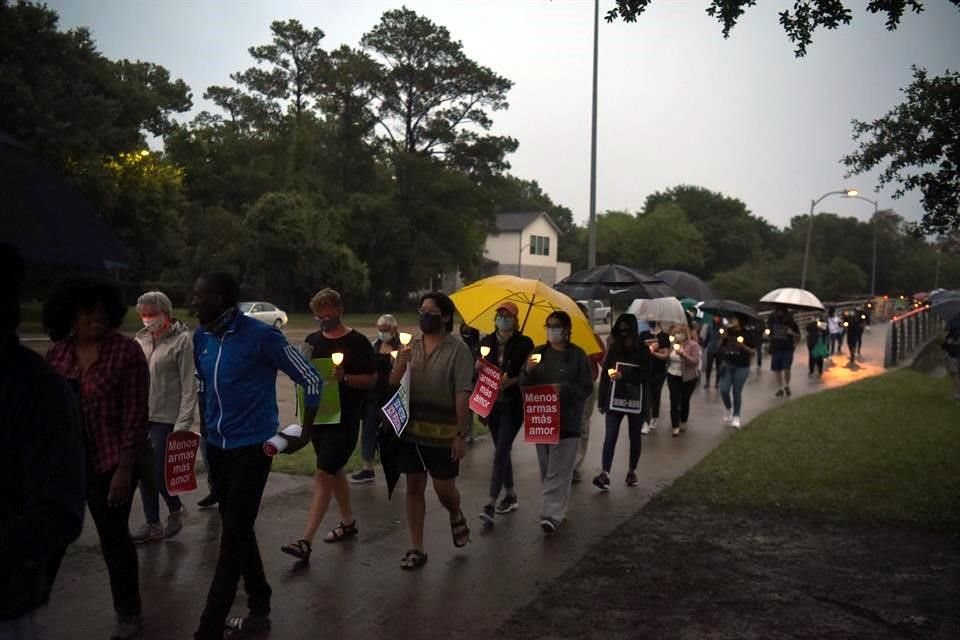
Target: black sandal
<point>462,538</point>
<point>301,550</point>
<point>342,532</point>
<point>412,560</point>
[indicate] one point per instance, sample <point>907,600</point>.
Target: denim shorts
<point>781,360</point>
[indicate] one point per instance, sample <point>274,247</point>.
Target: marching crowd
<point>89,424</point>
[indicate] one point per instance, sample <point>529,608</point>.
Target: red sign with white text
<point>485,392</point>
<point>179,462</point>
<point>541,414</point>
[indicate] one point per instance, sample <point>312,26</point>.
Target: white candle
<point>484,351</point>
<point>405,338</point>
<point>337,358</point>
<point>535,358</point>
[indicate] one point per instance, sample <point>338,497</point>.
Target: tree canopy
<point>800,24</point>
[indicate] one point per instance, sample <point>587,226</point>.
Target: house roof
<point>517,221</point>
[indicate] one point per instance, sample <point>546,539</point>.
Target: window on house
<point>539,246</point>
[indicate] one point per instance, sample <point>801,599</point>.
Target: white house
<point>525,244</point>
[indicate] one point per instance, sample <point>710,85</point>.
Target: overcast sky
<point>678,103</point>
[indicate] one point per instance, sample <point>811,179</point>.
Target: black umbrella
<point>613,280</point>
<point>686,284</point>
<point>389,445</point>
<point>46,219</point>
<point>728,308</point>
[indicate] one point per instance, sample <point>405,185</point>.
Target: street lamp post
<point>806,250</point>
<point>520,255</point>
<point>873,266</point>
<point>592,226</point>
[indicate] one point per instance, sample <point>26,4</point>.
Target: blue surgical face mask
<point>554,335</point>
<point>504,323</point>
<point>385,336</point>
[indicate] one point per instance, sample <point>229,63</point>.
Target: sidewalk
<point>357,590</point>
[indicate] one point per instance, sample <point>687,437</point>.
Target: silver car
<point>265,312</point>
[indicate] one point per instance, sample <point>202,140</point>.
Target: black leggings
<point>656,390</point>
<point>680,392</point>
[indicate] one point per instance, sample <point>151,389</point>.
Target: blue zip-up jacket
<point>237,377</point>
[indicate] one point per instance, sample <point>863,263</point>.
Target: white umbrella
<point>793,298</point>
<point>661,310</point>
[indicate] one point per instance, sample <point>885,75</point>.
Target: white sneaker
<point>727,418</point>
<point>645,429</point>
<point>735,423</point>
<point>653,423</point>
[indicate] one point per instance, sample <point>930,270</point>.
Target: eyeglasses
<point>553,326</point>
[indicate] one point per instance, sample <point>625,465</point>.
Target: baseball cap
<point>510,308</point>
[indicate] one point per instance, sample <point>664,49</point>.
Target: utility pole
<point>592,225</point>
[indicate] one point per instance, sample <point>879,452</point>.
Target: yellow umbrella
<point>477,304</point>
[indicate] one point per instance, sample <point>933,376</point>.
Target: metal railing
<point>909,333</point>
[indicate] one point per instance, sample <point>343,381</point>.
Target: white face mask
<point>555,335</point>
<point>153,324</point>
<point>385,336</point>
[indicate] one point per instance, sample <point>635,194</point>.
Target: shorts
<point>334,444</point>
<point>781,360</point>
<point>417,458</point>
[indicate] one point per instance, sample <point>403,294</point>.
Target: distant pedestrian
<point>167,344</point>
<point>711,341</point>
<point>565,364</point>
<point>441,380</point>
<point>816,346</point>
<point>683,371</point>
<point>41,469</point>
<point>835,329</point>
<point>951,349</point>
<point>659,342</point>
<point>82,316</point>
<point>334,443</point>
<point>628,362</point>
<point>784,334</point>
<point>509,349</point>
<point>237,359</point>
<point>854,324</point>
<point>736,354</point>
<point>387,342</point>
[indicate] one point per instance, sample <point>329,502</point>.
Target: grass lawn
<point>304,462</point>
<point>884,449</point>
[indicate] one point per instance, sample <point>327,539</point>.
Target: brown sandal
<point>342,532</point>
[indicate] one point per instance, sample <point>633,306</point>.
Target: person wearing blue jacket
<point>237,359</point>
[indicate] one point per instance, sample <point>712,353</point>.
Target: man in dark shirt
<point>784,334</point>
<point>41,512</point>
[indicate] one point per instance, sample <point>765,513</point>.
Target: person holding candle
<point>441,374</point>
<point>626,348</point>
<point>736,353</point>
<point>562,363</point>
<point>507,349</point>
<point>659,345</point>
<point>683,371</point>
<point>354,370</point>
<point>388,341</point>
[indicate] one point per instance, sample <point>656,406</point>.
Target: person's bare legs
<point>322,492</point>
<point>449,496</point>
<point>416,507</point>
<point>341,493</point>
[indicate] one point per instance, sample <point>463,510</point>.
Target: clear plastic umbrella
<point>790,297</point>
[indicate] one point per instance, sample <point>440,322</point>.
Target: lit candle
<point>611,372</point>
<point>337,359</point>
<point>484,351</point>
<point>846,324</point>
<point>393,354</point>
<point>740,339</point>
<point>766,332</point>
<point>673,338</point>
<point>535,358</point>
<point>722,331</point>
<point>405,338</point>
<point>676,346</point>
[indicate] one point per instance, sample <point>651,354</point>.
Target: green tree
<point>841,278</point>
<point>732,234</point>
<point>666,239</point>
<point>918,145</point>
<point>431,99</point>
<point>807,15</point>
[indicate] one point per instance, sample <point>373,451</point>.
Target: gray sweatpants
<point>556,470</point>
<point>584,439</point>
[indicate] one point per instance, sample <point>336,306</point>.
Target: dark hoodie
<point>620,351</point>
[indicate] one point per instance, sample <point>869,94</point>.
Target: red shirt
<point>114,394</point>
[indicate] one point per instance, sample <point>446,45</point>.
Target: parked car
<point>265,312</point>
<point>601,311</point>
